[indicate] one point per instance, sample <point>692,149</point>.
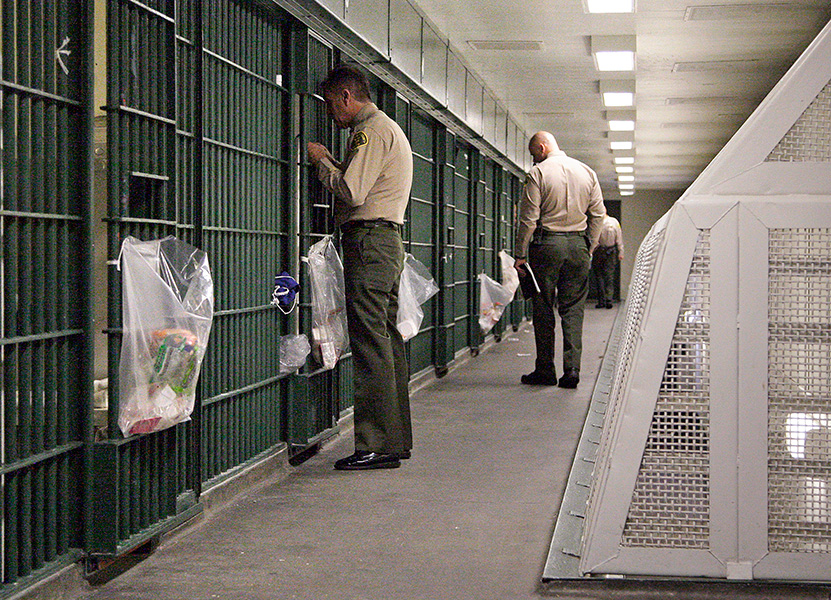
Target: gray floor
<point>470,516</point>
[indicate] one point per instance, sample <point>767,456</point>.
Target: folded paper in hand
<point>528,282</point>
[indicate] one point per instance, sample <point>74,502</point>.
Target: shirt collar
<point>367,111</point>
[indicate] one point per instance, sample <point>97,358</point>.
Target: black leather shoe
<point>609,305</point>
<point>570,379</point>
<point>600,305</point>
<point>363,459</point>
<point>537,378</point>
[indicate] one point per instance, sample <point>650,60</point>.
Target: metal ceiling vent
<point>725,12</point>
<point>715,453</point>
<point>507,45</point>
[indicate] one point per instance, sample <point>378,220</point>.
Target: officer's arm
<point>527,216</point>
<point>596,212</point>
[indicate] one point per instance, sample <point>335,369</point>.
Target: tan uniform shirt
<point>611,235</point>
<point>559,192</point>
<point>374,180</point>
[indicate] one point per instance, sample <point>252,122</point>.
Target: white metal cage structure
<point>715,456</point>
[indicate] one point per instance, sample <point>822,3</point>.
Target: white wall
<point>638,213</point>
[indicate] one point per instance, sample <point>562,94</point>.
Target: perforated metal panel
<point>808,139</point>
<point>635,308</point>
<point>799,390</point>
<point>670,503</point>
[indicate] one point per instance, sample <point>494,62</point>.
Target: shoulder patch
<point>358,140</point>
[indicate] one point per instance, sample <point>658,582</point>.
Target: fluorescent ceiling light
<point>626,178</point>
<point>618,93</point>
<point>621,140</point>
<point>624,160</point>
<point>626,186</point>
<point>622,125</point>
<point>618,98</point>
<point>610,6</point>
<point>625,169</point>
<point>618,60</point>
<point>627,192</point>
<point>613,52</point>
<point>621,120</point>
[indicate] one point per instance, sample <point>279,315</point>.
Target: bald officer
<point>561,206</point>
<point>372,189</point>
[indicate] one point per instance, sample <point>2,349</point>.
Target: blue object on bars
<point>285,292</point>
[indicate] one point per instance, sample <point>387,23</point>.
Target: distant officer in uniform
<point>561,200</point>
<point>372,190</point>
<point>605,258</point>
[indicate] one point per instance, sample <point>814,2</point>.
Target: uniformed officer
<point>605,258</point>
<point>562,199</point>
<point>371,188</point>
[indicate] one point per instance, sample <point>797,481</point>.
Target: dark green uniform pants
<point>561,265</point>
<point>604,265</point>
<point>373,258</point>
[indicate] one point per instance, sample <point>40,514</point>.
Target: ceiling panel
<point>702,67</point>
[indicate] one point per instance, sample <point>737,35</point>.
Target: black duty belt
<point>350,225</point>
<point>544,233</point>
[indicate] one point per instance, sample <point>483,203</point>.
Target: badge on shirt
<point>358,140</point>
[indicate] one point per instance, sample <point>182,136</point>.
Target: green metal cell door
<point>485,229</point>
<point>246,227</point>
<point>145,484</point>
<point>199,145</point>
<point>316,396</point>
<point>421,226</point>
<point>462,245</point>
<point>45,194</point>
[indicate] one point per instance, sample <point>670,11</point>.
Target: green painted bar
<point>25,519</point>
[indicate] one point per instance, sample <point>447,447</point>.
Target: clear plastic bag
<point>330,336</point>
<point>416,287</point>
<point>167,311</point>
<point>493,298</point>
<point>293,352</point>
<point>510,277</point>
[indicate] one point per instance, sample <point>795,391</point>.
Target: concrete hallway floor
<point>470,516</point>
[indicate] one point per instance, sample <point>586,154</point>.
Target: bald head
<point>541,145</point>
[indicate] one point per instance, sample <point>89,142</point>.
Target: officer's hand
<point>518,266</point>
<point>316,152</point>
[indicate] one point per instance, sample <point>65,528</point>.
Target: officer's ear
<point>344,96</point>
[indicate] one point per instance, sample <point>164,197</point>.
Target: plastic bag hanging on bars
<point>293,352</point>
<point>493,298</point>
<point>510,278</point>
<point>416,287</point>
<point>330,336</point>
<point>167,313</point>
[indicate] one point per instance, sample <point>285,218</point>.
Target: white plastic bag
<point>167,310</point>
<point>416,287</point>
<point>510,277</point>
<point>493,298</point>
<point>293,352</point>
<point>330,336</point>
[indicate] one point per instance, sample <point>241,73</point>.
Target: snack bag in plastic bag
<point>167,313</point>
<point>493,298</point>
<point>330,336</point>
<point>416,287</point>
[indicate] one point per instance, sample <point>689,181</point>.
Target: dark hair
<point>346,77</point>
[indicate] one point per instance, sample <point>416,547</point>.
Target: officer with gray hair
<point>372,190</point>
